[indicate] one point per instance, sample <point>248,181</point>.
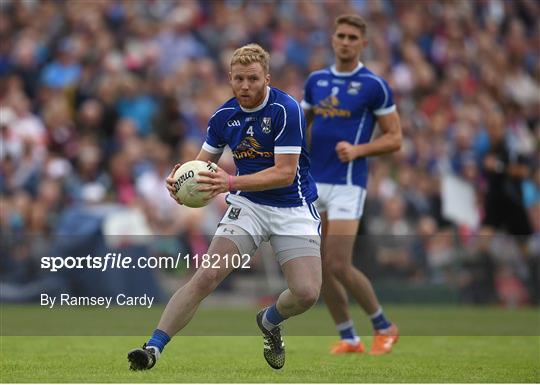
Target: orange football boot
<point>383,341</point>
<point>342,347</point>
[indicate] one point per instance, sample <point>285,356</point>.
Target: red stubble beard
<point>253,100</point>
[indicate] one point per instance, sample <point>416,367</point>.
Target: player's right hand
<point>346,152</point>
<point>169,183</point>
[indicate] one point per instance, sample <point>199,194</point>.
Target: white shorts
<point>341,201</point>
<point>292,231</point>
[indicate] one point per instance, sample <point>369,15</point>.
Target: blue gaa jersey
<point>345,107</point>
<point>277,126</point>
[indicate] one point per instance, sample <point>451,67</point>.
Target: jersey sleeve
<point>382,102</point>
<point>307,100</point>
<point>214,143</point>
<point>290,127</point>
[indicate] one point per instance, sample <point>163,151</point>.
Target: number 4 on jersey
<point>250,131</point>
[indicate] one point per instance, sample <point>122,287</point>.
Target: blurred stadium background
<point>99,99</point>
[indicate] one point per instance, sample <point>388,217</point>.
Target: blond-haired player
<point>271,199</point>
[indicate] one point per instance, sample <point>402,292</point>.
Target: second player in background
<point>342,104</point>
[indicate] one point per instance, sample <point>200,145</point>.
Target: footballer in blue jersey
<point>270,199</point>
<point>277,126</point>
<point>345,107</point>
<point>343,103</point>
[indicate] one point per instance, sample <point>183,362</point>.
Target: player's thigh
<point>324,233</point>
<point>216,264</point>
<point>303,276</point>
<point>296,241</point>
<point>324,225</point>
<point>339,241</point>
<point>295,232</point>
<point>240,235</point>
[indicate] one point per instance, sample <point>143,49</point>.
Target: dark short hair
<point>351,19</point>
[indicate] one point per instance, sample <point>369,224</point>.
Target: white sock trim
<point>352,341</point>
<point>345,325</point>
<point>377,313</point>
<point>267,324</point>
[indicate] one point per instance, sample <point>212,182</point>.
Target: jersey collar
<point>337,73</point>
<point>260,106</point>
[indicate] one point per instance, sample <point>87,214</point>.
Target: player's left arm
<point>389,141</point>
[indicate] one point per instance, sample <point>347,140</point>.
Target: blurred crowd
<point>99,99</point>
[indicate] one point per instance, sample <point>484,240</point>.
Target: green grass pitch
<point>429,358</point>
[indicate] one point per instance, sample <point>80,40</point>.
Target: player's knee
<point>308,296</point>
<point>205,281</point>
<point>338,269</point>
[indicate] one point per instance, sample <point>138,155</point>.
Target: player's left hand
<point>346,151</point>
<point>213,182</point>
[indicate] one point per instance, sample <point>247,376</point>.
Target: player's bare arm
<point>280,175</point>
<point>206,156</point>
<point>309,115</point>
<point>389,141</point>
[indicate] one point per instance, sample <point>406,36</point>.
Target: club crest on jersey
<point>353,88</point>
<point>265,125</point>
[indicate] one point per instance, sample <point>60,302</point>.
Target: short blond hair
<point>353,20</point>
<point>251,53</point>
